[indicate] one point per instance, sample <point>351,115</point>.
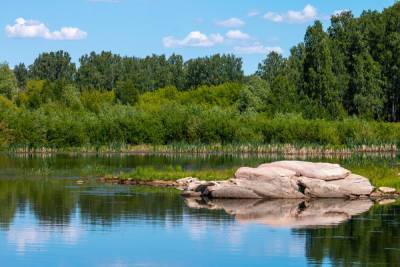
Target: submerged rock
<point>285,180</point>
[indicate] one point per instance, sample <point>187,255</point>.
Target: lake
<point>47,219</point>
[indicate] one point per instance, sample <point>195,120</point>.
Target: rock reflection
<point>286,212</point>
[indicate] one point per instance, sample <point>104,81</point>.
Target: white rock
<point>387,190</point>
<point>322,171</point>
<point>263,173</point>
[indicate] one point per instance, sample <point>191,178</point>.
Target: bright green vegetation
<point>337,89</point>
<point>175,173</point>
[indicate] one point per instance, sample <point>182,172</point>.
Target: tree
<point>213,70</point>
<point>368,98</point>
<point>99,71</point>
<point>271,67</point>
<point>53,66</point>
<point>320,84</point>
<point>126,92</point>
<point>21,74</point>
<point>8,82</point>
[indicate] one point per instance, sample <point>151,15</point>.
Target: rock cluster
<point>283,180</point>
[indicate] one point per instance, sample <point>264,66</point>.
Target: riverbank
<point>284,149</point>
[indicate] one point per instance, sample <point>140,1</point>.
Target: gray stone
<point>322,171</point>
<point>233,192</point>
<point>387,190</point>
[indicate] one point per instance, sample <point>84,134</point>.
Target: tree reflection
<point>370,239</point>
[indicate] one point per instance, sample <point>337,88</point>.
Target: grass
<point>380,176</point>
<point>174,173</point>
<point>285,149</point>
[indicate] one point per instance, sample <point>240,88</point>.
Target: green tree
<point>271,67</point>
<point>8,82</point>
<point>320,84</point>
<point>126,92</point>
<point>53,66</point>
<point>21,74</point>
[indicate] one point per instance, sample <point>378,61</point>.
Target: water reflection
<point>287,212</point>
<point>49,221</point>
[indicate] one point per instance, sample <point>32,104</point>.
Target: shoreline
<point>218,149</point>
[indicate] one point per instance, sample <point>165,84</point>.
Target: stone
<point>387,201</point>
<point>352,185</point>
<point>387,190</point>
<point>285,180</point>
<point>263,173</point>
<point>268,182</point>
<point>232,192</point>
<point>322,171</point>
<point>283,187</point>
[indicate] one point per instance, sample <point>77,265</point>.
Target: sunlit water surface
<point>46,219</point>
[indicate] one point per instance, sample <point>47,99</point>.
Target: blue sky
<point>247,28</point>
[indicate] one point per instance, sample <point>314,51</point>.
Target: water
<point>46,219</point>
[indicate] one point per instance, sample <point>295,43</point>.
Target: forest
<point>340,87</point>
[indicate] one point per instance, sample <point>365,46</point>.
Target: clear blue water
<point>49,220</point>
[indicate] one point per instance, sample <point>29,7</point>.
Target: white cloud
<point>194,39</point>
<point>237,35</point>
<point>253,13</point>
<point>257,48</point>
<point>308,13</point>
<point>36,29</point>
<point>231,23</point>
<point>273,17</point>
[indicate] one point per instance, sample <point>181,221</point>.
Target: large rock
<point>352,185</point>
<point>322,171</point>
<point>284,180</point>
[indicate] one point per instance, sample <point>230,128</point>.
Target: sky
<point>247,28</point>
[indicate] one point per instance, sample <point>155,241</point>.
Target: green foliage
<point>53,66</point>
<point>8,82</point>
<point>126,92</point>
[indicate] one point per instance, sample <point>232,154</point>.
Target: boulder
<point>232,192</point>
<point>284,180</point>
<point>387,190</point>
<point>263,173</point>
<point>322,171</point>
<point>352,185</point>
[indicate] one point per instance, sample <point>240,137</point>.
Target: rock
<point>322,171</point>
<point>285,180</point>
<point>315,188</point>
<point>232,192</point>
<point>269,182</point>
<point>386,201</point>
<point>282,187</point>
<point>387,190</point>
<point>350,187</point>
<point>263,173</point>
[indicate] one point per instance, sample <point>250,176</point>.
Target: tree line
<point>348,72</point>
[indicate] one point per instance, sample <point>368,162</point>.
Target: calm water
<point>46,219</point>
